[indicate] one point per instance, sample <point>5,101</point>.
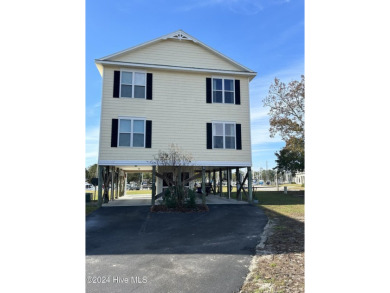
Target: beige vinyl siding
<point>179,114</point>
<point>177,53</point>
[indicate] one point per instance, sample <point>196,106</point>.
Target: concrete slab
<point>146,199</point>
<point>130,200</point>
<point>216,199</point>
<point>129,249</point>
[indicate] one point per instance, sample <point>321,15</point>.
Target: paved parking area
<point>133,250</point>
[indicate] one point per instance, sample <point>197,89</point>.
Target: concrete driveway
<point>129,249</point>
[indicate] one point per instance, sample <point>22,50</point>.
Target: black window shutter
<point>149,86</point>
<point>238,137</point>
<point>117,76</point>
<point>237,94</point>
<point>148,139</point>
<point>209,135</point>
<point>208,90</point>
<point>114,133</point>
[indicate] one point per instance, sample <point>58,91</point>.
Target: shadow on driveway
<point>171,252</point>
<point>225,229</point>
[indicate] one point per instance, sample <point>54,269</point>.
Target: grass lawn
<point>294,186</point>
<point>277,203</point>
<point>279,266</point>
<point>90,207</point>
<point>95,196</point>
<point>145,191</point>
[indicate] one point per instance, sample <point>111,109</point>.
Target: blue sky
<point>266,36</point>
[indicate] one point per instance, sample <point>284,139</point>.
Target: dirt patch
<point>279,262</point>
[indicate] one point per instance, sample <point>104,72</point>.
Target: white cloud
<point>263,150</point>
<point>91,145</point>
<point>93,110</point>
<point>258,113</point>
<point>246,7</point>
<point>260,135</point>
<point>92,134</point>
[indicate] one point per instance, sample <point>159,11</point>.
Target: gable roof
<point>182,36</point>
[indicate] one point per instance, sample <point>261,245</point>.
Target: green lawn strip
<point>90,208</point>
<point>275,202</point>
<point>283,270</point>
<point>95,196</point>
<point>145,191</point>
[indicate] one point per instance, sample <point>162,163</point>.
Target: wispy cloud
<point>89,155</point>
<point>93,110</point>
<point>91,145</point>
<point>246,7</point>
<point>92,134</point>
<point>263,150</point>
<point>284,38</point>
<point>260,135</point>
<point>258,113</point>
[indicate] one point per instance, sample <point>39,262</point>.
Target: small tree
<point>175,159</point>
<point>91,172</point>
<point>289,160</point>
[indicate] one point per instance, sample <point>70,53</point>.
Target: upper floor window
<point>133,85</point>
<point>131,132</point>
<point>223,90</point>
<point>224,135</point>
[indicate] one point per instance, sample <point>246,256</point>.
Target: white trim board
<point>194,163</point>
<point>177,68</point>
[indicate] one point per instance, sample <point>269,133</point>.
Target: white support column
<point>112,183</point>
<point>153,185</point>
<point>220,182</point>
<point>249,184</point>
<point>125,183</point>
<point>229,182</point>
<point>238,182</point>
<point>214,183</point>
<point>100,183</point>
<point>203,185</point>
<point>117,183</point>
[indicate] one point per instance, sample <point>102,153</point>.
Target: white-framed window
<point>223,90</point>
<point>131,132</point>
<point>132,85</point>
<point>224,135</point>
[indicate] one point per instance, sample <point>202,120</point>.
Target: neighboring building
<point>299,178</point>
<point>174,89</point>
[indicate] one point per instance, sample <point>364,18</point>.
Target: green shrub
<point>191,199</point>
<point>170,200</point>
